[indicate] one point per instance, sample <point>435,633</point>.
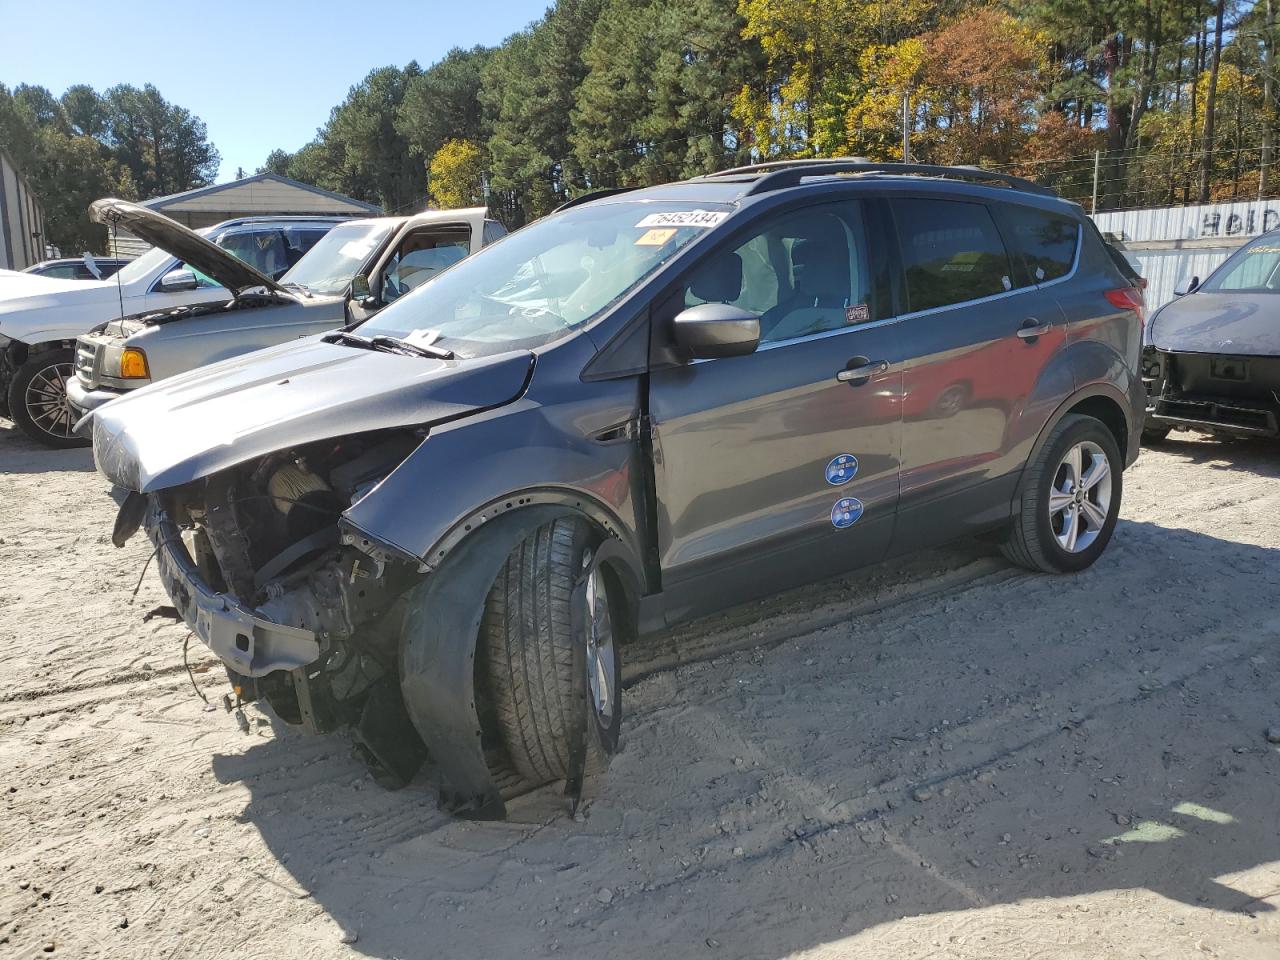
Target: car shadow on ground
<point>20,454</point>
<point>1021,737</point>
<point>1260,456</point>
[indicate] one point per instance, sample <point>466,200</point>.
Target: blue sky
<point>260,75</point>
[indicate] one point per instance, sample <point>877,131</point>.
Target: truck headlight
<point>133,364</point>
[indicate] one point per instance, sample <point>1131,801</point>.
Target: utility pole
<point>906,125</point>
<point>1097,164</point>
<point>1268,87</point>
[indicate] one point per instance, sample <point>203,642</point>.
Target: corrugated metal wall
<point>1227,221</point>
<point>21,220</point>
<point>1170,243</point>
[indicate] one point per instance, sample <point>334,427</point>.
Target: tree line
<point>1176,98</point>
<point>1150,101</point>
<point>125,142</point>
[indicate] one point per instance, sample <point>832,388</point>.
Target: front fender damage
<point>333,627</point>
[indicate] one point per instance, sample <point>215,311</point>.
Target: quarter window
<point>951,252</point>
<point>806,272</point>
<point>1043,244</point>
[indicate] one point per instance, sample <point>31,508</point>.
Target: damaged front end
<point>253,560</point>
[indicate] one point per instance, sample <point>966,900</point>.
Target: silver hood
<point>185,244</point>
<point>195,424</point>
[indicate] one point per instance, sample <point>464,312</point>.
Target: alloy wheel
<point>47,403</point>
<point>601,666</point>
<point>1080,496</point>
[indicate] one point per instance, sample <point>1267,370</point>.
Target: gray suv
<point>444,526</point>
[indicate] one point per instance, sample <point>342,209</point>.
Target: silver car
<point>355,270</point>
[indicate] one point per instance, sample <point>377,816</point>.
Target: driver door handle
<point>856,376</point>
<point>1032,328</point>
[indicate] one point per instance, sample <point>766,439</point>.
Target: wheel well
<point>1108,411</point>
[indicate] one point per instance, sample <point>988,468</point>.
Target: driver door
<point>424,246</point>
<point>772,469</point>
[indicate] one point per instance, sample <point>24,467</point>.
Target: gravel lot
<point>942,757</point>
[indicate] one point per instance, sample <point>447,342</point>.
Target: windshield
<point>328,267</point>
<point>546,280</point>
<point>1256,267</point>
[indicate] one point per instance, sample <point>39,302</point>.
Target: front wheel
<point>38,400</point>
<point>533,677</point>
<point>1070,500</point>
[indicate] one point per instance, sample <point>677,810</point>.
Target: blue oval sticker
<point>846,512</point>
<point>842,468</point>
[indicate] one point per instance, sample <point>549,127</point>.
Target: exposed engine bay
<point>265,535</point>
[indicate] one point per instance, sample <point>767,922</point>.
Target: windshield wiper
<point>294,285</point>
<point>387,344</point>
<point>421,349</point>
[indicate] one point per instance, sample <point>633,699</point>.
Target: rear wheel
<point>1070,500</point>
<point>38,400</point>
<point>528,657</point>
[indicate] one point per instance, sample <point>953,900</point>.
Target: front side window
<point>951,252</point>
<point>547,279</point>
<point>264,250</point>
<point>806,272</point>
<point>1043,244</point>
<point>421,256</point>
<point>1254,267</point>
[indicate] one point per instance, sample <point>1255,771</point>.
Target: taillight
<point>1129,298</point>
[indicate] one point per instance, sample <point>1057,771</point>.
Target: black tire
<point>527,656</point>
<point>1031,541</point>
<point>35,384</point>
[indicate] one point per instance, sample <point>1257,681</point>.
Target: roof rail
<point>592,195</point>
<point>769,166</point>
<point>787,173</point>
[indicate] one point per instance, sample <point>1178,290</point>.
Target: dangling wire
<point>187,663</point>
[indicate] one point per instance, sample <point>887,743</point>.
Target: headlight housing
<point>133,364</point>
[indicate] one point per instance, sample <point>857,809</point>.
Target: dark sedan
<point>77,268</point>
<point>1212,356</point>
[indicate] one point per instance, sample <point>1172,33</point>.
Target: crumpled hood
<point>1237,324</point>
<point>184,243</point>
<point>198,423</point>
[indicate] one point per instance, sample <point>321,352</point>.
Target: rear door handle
<point>856,376</point>
<point>1032,328</point>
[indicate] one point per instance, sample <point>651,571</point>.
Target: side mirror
<point>175,281</point>
<point>717,330</point>
<point>360,287</point>
<point>1186,285</point>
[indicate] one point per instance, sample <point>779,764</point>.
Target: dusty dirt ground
<point>941,757</point>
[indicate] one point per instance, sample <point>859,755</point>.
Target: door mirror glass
<point>175,281</point>
<point>360,287</point>
<point>717,330</point>
<point>1186,285</point>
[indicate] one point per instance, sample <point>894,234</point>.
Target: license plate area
<point>1229,368</point>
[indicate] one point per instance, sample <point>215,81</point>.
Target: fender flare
<point>1099,389</point>
<point>438,649</point>
<point>626,557</point>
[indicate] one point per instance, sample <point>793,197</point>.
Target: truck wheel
<point>1070,499</point>
<point>1154,436</point>
<point>38,400</point>
<point>526,646</point>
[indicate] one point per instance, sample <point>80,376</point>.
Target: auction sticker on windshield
<point>684,218</point>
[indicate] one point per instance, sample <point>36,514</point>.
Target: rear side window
<point>951,252</point>
<point>1043,244</point>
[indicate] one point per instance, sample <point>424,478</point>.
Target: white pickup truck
<point>358,267</point>
<point>40,317</point>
